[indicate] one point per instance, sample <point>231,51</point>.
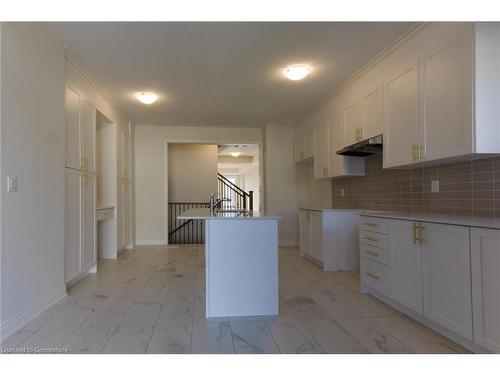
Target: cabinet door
<point>298,147</point>
<point>119,152</point>
<point>407,265</point>
<point>401,117</point>
<point>308,145</point>
<point>336,142</point>
<point>89,221</point>
<point>373,114</point>
<point>305,232</point>
<point>73,129</point>
<point>73,224</point>
<point>127,214</point>
<point>446,78</point>
<point>352,123</point>
<point>446,276</point>
<point>89,134</point>
<point>321,152</point>
<point>485,257</point>
<point>125,158</point>
<point>317,235</point>
<point>120,222</point>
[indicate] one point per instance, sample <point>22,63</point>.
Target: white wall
<point>151,169</point>
<point>32,136</point>
<point>192,172</point>
<point>282,189</point>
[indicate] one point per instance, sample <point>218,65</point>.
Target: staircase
<point>193,231</point>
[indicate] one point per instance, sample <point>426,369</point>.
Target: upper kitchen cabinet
<point>74,132</point>
<point>339,165</point>
<point>80,132</point>
<point>352,123</point>
<point>372,106</point>
<point>304,147</point>
<point>455,85</point>
<point>401,126</point>
<point>321,150</point>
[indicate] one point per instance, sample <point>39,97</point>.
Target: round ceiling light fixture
<point>297,72</point>
<point>235,154</point>
<point>146,97</point>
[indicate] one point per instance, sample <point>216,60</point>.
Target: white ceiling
<point>222,73</point>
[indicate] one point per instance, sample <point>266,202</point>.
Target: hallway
<point>152,301</point>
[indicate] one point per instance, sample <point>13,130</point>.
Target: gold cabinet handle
<point>415,152</point>
<point>420,151</point>
<point>371,224</point>
<point>360,134</point>
<point>301,155</point>
<point>370,238</point>
<point>415,240</point>
<point>325,171</point>
<point>372,275</point>
<point>371,253</point>
<point>421,234</point>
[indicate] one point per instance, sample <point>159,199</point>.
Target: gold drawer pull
<point>371,253</point>
<point>372,275</point>
<point>370,239</point>
<point>371,224</point>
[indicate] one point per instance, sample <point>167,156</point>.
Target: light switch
<point>435,186</point>
<point>11,184</point>
<point>342,192</point>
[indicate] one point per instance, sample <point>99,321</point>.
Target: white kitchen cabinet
<point>407,264</point>
<point>80,243</point>
<point>89,135</point>
<point>352,123</point>
<point>447,92</point>
<point>120,214</point>
<point>485,258</point>
<point>317,236</point>
<point>340,165</point>
<point>446,276</point>
<point>304,147</point>
<point>330,237</point>
<point>89,254</point>
<point>401,117</point>
<point>321,152</point>
<point>305,232</point>
<point>74,224</point>
<point>298,149</point>
<point>372,106</point>
<point>73,130</point>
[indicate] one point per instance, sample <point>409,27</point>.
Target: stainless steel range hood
<point>364,148</point>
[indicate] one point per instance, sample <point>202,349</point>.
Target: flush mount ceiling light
<point>235,154</point>
<point>297,72</point>
<point>146,97</point>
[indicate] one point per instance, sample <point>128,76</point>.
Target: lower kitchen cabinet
<point>446,276</point>
<point>80,243</point>
<point>485,258</point>
<point>407,264</point>
<point>330,238</point>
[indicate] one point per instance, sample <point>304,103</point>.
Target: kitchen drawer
<point>376,254</point>
<point>373,224</point>
<point>376,276</point>
<point>374,239</point>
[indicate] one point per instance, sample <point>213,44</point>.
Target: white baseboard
<point>147,242</point>
<point>17,322</point>
<point>287,243</point>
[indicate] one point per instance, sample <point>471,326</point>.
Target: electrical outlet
<point>435,186</point>
<point>342,192</point>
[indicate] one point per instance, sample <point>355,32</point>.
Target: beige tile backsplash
<point>469,188</point>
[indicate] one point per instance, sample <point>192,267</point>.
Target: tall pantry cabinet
<point>80,242</point>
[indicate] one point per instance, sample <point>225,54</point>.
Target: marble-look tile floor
<point>152,300</point>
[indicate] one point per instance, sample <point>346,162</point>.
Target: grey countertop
<point>479,222</point>
<point>205,214</point>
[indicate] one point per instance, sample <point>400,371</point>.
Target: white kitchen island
<point>241,260</point>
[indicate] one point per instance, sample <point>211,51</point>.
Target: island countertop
<point>205,214</point>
